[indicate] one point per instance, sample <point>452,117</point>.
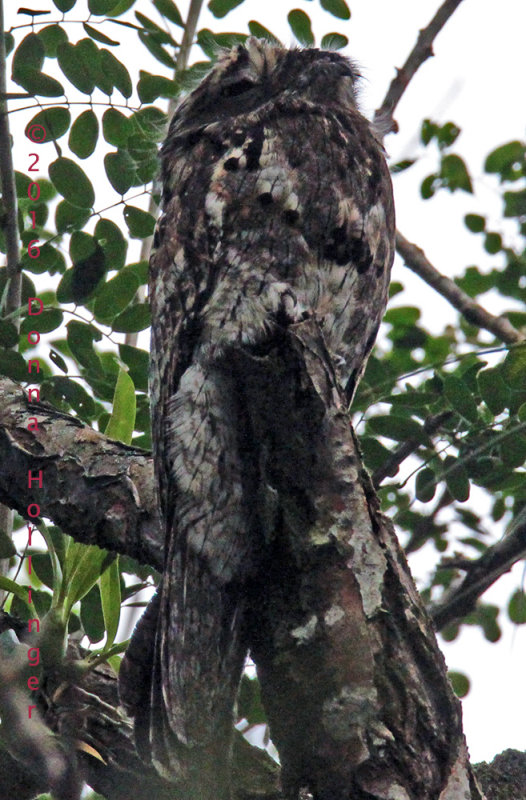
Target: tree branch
<point>390,466</point>
<point>482,573</point>
<point>416,260</point>
<point>97,490</point>
<point>422,50</point>
<point>7,181</point>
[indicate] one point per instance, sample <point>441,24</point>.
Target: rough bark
<point>97,490</point>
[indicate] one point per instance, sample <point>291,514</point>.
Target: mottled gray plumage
<point>277,207</point>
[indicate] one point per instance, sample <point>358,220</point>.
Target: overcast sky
<point>476,79</point>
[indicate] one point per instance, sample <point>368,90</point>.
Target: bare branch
<point>422,50</point>
<point>97,490</point>
<point>416,260</point>
<point>7,180</point>
<point>481,574</point>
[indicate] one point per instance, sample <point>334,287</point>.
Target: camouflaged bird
<point>277,208</point>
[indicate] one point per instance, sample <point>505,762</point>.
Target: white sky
<point>476,79</point>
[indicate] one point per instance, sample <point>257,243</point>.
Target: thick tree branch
<point>97,490</point>
<point>422,50</point>
<point>415,259</point>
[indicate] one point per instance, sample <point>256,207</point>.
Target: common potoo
<point>277,208</point>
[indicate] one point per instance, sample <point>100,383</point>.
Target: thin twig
<point>416,260</point>
<point>422,50</point>
<point>391,465</point>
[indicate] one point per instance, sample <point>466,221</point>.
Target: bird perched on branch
<point>277,209</point>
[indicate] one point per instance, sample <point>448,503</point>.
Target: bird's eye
<point>237,88</point>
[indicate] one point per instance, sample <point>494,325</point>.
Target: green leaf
<point>454,174</point>
<point>500,159</point>
<point>150,87</point>
<point>7,585</point>
<point>137,361</point>
<point>140,223</point>
<point>460,398</point>
<point>91,615</point>
<point>457,479</point>
<point>100,8</point>
<point>12,365</point>
<point>517,607</point>
<point>513,449</point>
<point>403,315</point>
<point>398,428</point>
<point>336,41</point>
<point>98,36</point>
<point>169,10</point>
<point>49,260</point>
<point>157,50</point>
<point>515,204</point>
<point>375,454</point>
<point>301,27</point>
<point>49,320</point>
<point>120,169</point>
<point>82,570</point>
<point>250,702</point>
<point>115,295</point>
<point>72,182</point>
<point>58,361</point>
<point>514,368</point>
<point>52,36</point>
<point>428,187</point>
<point>460,683</point>
<point>55,121</point>
<point>159,34</point>
<point>116,72</point>
<point>36,83</point>
<point>68,217</point>
<point>425,485</point>
<point>122,421</point>
<point>493,389</point>
<point>113,243</point>
<point>475,223</point>
<point>447,134</point>
<point>8,334</point>
<point>133,319</point>
<point>220,8</point>
<point>121,7</point>
<point>80,340</point>
<point>64,5</point>
<point>89,265</point>
<point>149,124</point>
<point>29,54</point>
<point>72,62</point>
<point>493,243</point>
<point>116,127</point>
<point>7,548</point>
<point>428,131</point>
<point>84,134</point>
<point>256,29</point>
<point>401,166</point>
<point>59,388</point>
<point>338,8</point>
<point>110,593</point>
